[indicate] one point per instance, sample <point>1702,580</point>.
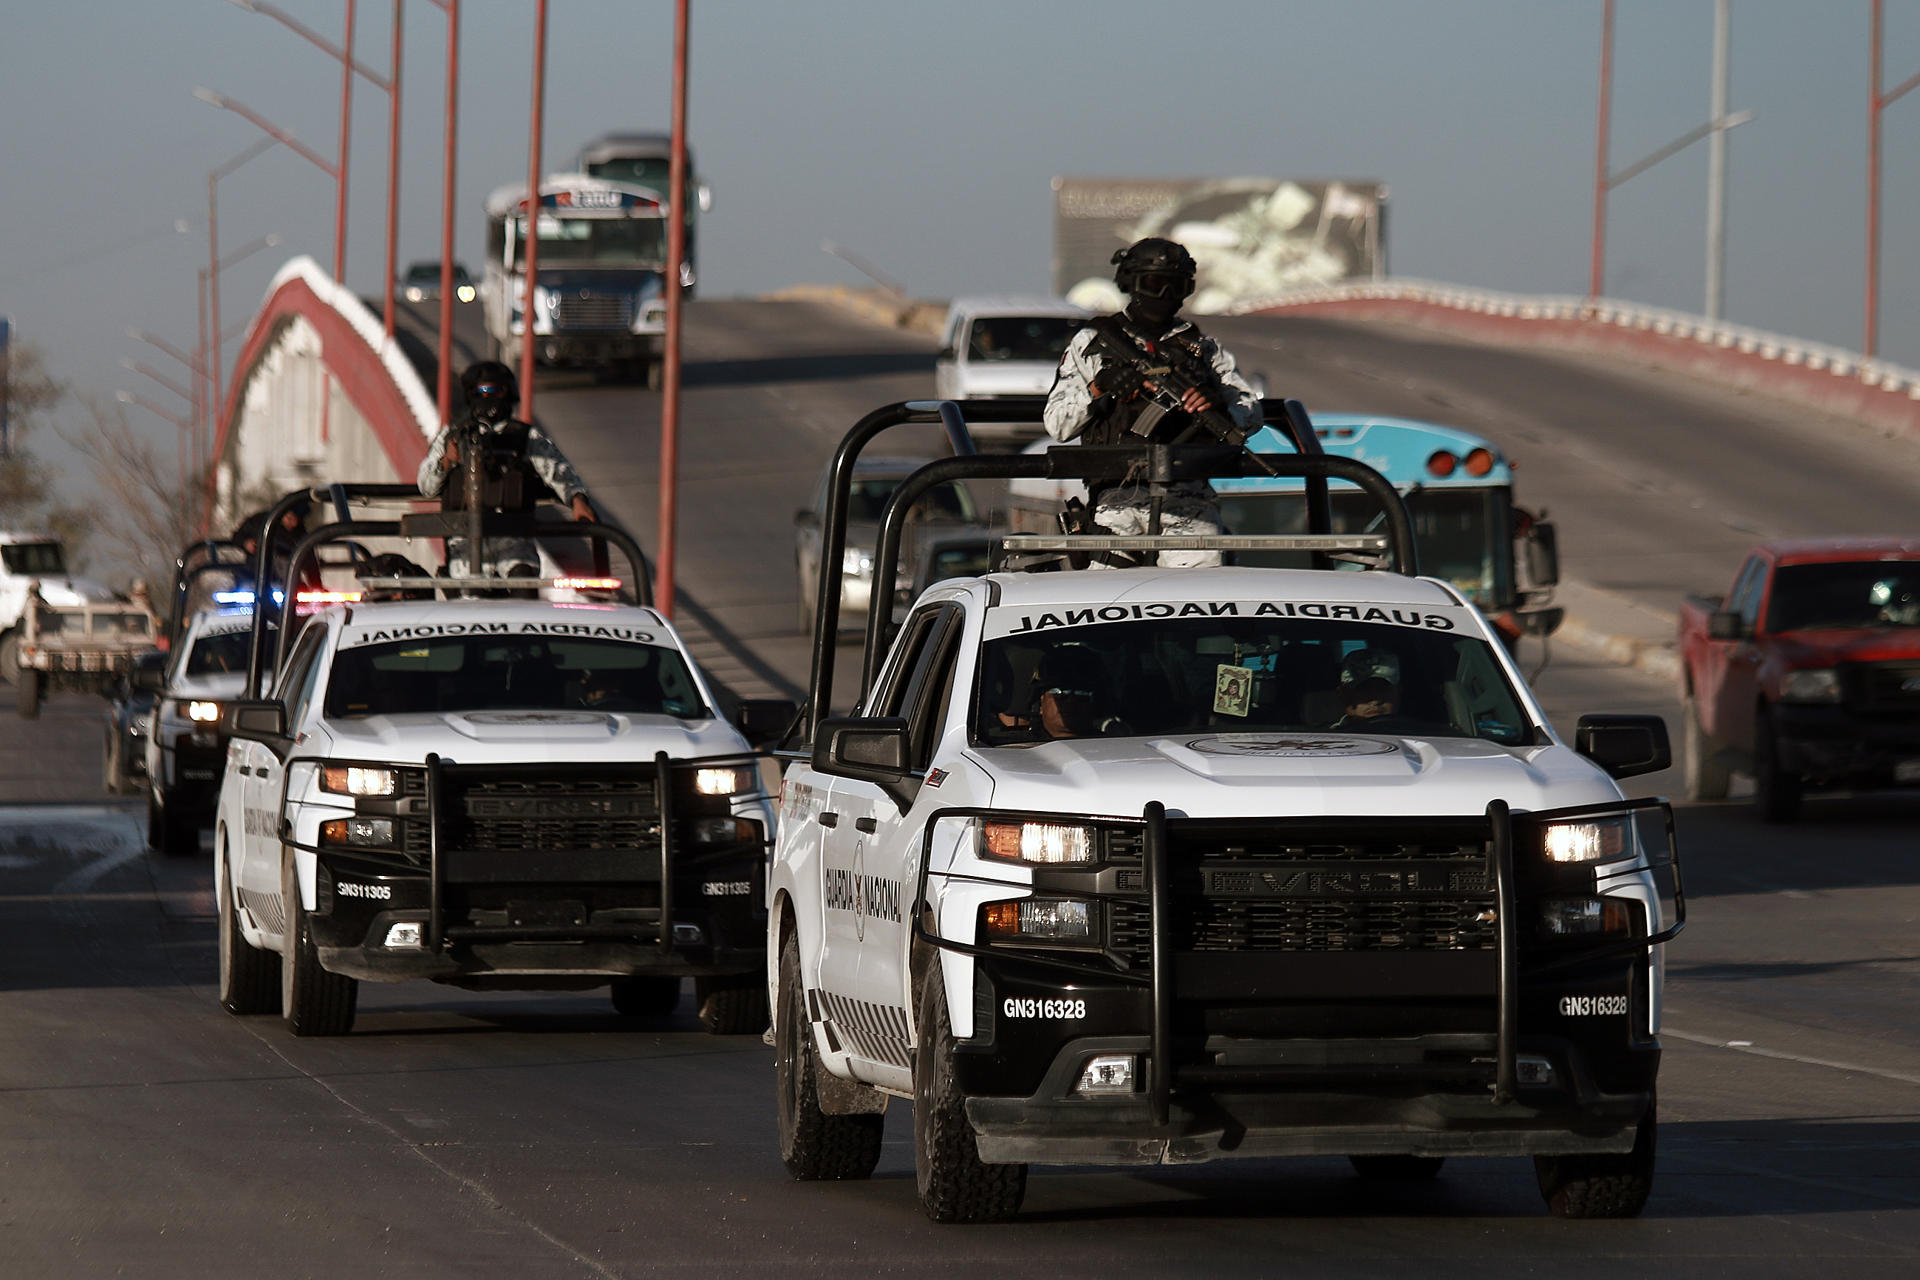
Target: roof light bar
<point>328,597</point>
<point>586,584</point>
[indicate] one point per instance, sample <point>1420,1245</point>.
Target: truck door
<point>264,773</point>
<point>1733,665</point>
<point>872,858</point>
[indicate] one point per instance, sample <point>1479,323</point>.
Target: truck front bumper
<point>597,348</point>
<point>1831,744</point>
<point>1375,1108</point>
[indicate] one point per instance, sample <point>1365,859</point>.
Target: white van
<point>995,347</point>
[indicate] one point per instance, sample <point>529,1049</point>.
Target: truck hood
<point>209,688</point>
<point>1010,378</point>
<point>506,737</point>
<point>71,591</point>
<point>602,279</point>
<point>1851,644</point>
<point>1233,775</point>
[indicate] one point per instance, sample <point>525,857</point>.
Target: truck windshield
<point>1235,675</point>
<point>1869,593</point>
<point>867,500</point>
<point>217,655</point>
<point>1021,337</point>
<point>34,559</point>
<point>1461,534</point>
<point>521,673</point>
<point>612,242</point>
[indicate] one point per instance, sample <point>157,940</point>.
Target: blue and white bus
<point>1458,488</point>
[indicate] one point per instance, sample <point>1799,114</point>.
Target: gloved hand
<point>1123,382</point>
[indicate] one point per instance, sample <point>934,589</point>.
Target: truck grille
<point>594,311</point>
<point>535,810</point>
<point>1887,687</point>
<point>1285,887</point>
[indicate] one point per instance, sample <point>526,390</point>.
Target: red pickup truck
<point>1807,673</point>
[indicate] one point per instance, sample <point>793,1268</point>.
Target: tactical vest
<point>1115,427</point>
<point>508,481</point>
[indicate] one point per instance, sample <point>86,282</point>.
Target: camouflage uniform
<point>1074,413</point>
<point>546,463</point>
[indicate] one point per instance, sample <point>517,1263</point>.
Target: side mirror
<point>947,353</point>
<point>261,719</point>
<point>148,679</point>
<point>1543,555</point>
<point>870,750</point>
<point>764,721</point>
<point>1725,624</point>
<point>1541,622</point>
<point>1624,746</point>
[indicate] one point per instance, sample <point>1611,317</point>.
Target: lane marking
<point>1747,1046</point>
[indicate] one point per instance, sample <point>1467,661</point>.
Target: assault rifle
<point>1174,369</point>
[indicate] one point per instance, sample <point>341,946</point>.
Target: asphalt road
<point>145,1131</point>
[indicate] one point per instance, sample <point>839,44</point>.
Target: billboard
<point>1251,237</point>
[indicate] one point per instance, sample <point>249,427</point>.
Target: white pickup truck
<point>492,794</point>
<point>1165,866</point>
<point>58,631</point>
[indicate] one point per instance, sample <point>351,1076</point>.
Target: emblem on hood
<point>1289,745</point>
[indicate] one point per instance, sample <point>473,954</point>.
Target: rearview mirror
<point>260,719</point>
<point>1543,555</point>
<point>1624,746</point>
<point>870,750</point>
<point>1725,624</point>
<point>764,721</point>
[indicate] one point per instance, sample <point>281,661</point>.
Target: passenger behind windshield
<point>522,673</point>
<point>1231,675</point>
<point>1040,338</point>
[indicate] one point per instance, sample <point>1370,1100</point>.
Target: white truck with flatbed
<point>1164,866</point>
<point>59,632</point>
<point>494,793</point>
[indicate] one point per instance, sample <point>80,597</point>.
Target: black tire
<point>1776,792</point>
<point>1603,1186</point>
<point>656,374</point>
<point>27,687</point>
<point>734,1005</point>
<point>955,1184</point>
<point>1398,1168</point>
<point>179,832</point>
<point>815,1146</point>
<point>1707,776</point>
<point>153,821</point>
<point>10,657</point>
<point>110,781</point>
<point>313,1002</point>
<point>646,997</point>
<point>249,977</point>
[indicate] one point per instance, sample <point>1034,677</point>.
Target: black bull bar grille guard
<point>1498,825</point>
<point>621,864</point>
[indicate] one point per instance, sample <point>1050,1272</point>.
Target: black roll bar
<point>1089,462</point>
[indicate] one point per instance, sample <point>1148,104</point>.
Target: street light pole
<point>670,374</point>
<point>444,360</point>
<point>1596,268</point>
<point>1876,103</point>
<point>393,172</point>
<point>527,361</point>
<point>346,136</point>
<point>1717,170</point>
<point>186,429</point>
<point>212,358</point>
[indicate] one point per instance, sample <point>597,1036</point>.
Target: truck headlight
<point>1597,840</point>
<point>465,293</point>
<point>356,780</point>
<point>203,712</point>
<point>1039,920</point>
<point>367,833</point>
<point>723,782</point>
<point>1816,684</point>
<point>1041,843</point>
<point>857,563</point>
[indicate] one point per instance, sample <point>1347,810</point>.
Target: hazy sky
<point>923,135</point>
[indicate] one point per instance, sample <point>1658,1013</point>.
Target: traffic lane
<point>1800,937</point>
<point>58,756</point>
<point>770,390</point>
<point>1658,483</point>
